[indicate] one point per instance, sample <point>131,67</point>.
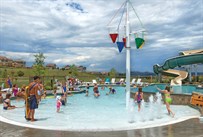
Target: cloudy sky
<point>76,32</point>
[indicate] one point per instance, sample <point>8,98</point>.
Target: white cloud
<point>68,36</point>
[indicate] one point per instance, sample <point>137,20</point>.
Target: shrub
<point>20,73</point>
<point>48,87</point>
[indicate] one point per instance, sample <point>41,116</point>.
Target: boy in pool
<point>87,93</point>
<point>111,90</point>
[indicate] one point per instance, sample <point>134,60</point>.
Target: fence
<point>49,80</point>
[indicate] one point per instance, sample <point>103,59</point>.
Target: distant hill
<point>138,73</point>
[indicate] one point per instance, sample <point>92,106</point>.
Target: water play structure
<point>185,58</point>
<point>121,30</point>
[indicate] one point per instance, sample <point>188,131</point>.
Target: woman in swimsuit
<point>7,103</point>
<point>168,99</point>
<point>96,91</point>
<point>139,97</point>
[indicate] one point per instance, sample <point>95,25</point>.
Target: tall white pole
<point>127,56</point>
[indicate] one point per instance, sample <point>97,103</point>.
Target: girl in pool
<point>139,97</point>
<point>168,99</point>
<point>58,103</point>
<point>7,103</point>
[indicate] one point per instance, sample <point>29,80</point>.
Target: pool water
<point>105,113</point>
<point>184,89</point>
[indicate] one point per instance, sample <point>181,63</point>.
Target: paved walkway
<point>189,128</point>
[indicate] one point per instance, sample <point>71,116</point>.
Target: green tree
<point>38,66</point>
<point>5,73</point>
<point>20,73</point>
<point>112,72</point>
<point>73,70</point>
<point>12,73</point>
<point>0,72</point>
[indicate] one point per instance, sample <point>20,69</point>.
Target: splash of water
<point>149,110</point>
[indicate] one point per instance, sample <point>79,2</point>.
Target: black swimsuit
<point>5,108</point>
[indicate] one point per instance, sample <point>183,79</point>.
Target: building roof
<point>51,65</point>
<point>19,61</point>
<point>5,58</point>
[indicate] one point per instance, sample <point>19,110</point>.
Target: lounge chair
<point>107,81</point>
<point>121,81</point>
<point>133,81</point>
<point>139,82</point>
<point>94,81</point>
<point>7,90</point>
<point>113,81</point>
<point>2,86</point>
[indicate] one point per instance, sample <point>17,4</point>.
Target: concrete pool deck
<point>188,128</point>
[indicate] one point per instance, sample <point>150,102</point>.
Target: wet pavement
<point>189,128</point>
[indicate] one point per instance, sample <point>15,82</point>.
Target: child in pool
<point>139,97</point>
<point>58,103</point>
<point>7,103</point>
<point>168,100</point>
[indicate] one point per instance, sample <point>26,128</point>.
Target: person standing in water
<point>87,89</point>
<point>139,97</point>
<point>168,100</point>
<point>34,97</point>
<point>8,82</point>
<point>58,103</point>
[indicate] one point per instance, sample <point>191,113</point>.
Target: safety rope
<point>116,13</point>
<point>121,19</point>
<point>136,14</point>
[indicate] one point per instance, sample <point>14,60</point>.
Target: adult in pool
<point>96,91</point>
<point>33,97</point>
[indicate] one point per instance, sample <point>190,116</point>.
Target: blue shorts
<point>5,108</point>
<point>33,102</point>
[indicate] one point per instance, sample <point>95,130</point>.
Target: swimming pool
<point>106,113</point>
<point>184,89</point>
